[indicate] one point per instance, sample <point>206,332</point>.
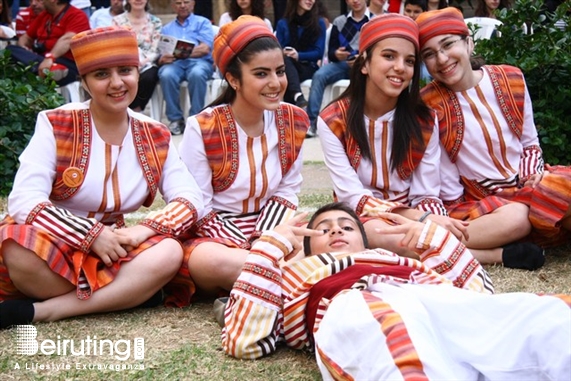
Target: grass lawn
<point>184,344</point>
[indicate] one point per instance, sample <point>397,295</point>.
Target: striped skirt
<point>548,203</point>
<point>86,271</point>
<point>180,290</point>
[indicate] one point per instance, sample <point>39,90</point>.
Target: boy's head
<point>344,231</point>
<point>413,8</point>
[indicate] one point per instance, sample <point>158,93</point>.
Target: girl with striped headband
<point>245,150</point>
<point>65,243</point>
<point>492,150</point>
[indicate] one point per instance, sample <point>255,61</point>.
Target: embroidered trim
<point>258,293</point>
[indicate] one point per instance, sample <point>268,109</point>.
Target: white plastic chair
<point>485,26</point>
<point>70,92</point>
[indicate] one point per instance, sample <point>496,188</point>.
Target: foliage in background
<point>23,94</point>
<point>544,56</point>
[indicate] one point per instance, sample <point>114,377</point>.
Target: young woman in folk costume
<point>492,155</point>
<point>245,151</point>
<point>380,141</point>
<point>65,243</point>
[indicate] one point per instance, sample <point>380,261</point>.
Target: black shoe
<point>177,127</point>
<point>523,255</point>
<point>300,101</point>
<point>16,312</point>
<point>153,301</point>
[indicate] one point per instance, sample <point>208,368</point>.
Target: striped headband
<point>442,21</point>
<point>385,26</point>
<point>104,47</point>
<point>234,37</point>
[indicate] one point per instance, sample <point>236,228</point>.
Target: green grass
<point>184,344</point>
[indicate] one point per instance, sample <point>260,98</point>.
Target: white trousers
<point>435,332</point>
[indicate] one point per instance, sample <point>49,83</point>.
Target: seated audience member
<point>244,7</point>
<point>373,315</point>
<point>343,49</point>
<point>45,45</point>
<point>6,31</point>
<point>245,150</point>
<point>413,8</point>
<point>27,15</point>
<point>84,5</point>
<point>492,153</point>
<point>195,70</point>
<point>301,34</point>
<point>378,7</point>
<point>65,244</point>
<point>148,29</point>
<point>436,4</point>
<point>104,16</point>
<point>488,8</point>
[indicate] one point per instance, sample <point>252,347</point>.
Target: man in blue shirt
<point>343,45</point>
<point>195,70</point>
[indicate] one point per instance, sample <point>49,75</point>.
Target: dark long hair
<point>6,15</point>
<point>482,8</point>
<point>257,9</point>
<point>327,208</point>
<point>235,66</point>
<point>309,21</point>
<point>410,108</point>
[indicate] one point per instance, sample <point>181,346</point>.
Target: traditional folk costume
<point>249,184</point>
<point>367,184</point>
<point>375,315</point>
<point>362,183</point>
<point>491,144</point>
<point>492,147</point>
<point>71,183</point>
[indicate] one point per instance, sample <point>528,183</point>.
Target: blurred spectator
<point>84,5</point>
<point>301,33</point>
<point>487,8</point>
<point>436,4</point>
<point>342,50</point>
<point>104,16</point>
<point>378,7</point>
<point>195,70</point>
<point>244,7</point>
<point>148,30</point>
<point>45,45</point>
<point>27,15</point>
<point>6,31</point>
<point>413,8</point>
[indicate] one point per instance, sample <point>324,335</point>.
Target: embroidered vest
<point>335,116</point>
<point>509,88</point>
<point>72,131</point>
<point>220,136</point>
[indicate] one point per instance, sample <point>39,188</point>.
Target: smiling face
<point>342,234</point>
<point>112,89</point>
<point>389,69</point>
<point>304,6</point>
<point>245,6</point>
<point>263,81</point>
<point>447,58</point>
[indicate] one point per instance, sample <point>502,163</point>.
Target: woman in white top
<point>244,7</point>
